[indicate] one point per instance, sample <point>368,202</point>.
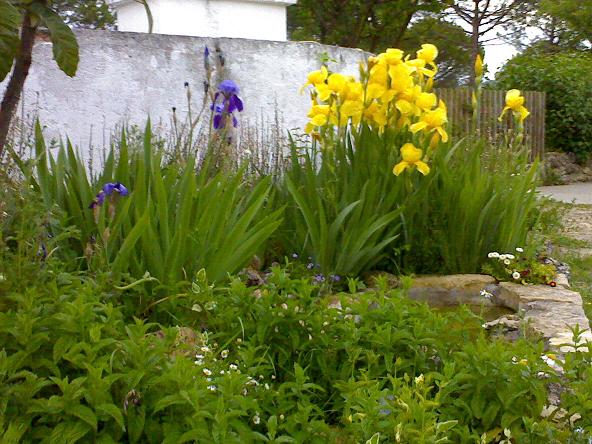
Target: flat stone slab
<point>553,312</point>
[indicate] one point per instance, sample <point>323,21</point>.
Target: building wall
<point>265,20</point>
<point>126,77</point>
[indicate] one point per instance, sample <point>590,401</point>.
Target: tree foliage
<point>576,13</point>
<point>480,17</point>
<point>373,25</point>
<point>94,14</point>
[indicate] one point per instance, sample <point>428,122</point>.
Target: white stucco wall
<point>126,77</point>
<point>252,19</point>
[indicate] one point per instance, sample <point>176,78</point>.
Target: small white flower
<point>301,322</point>
<point>199,356</point>
<point>503,257</point>
<point>233,367</point>
<point>256,419</point>
<point>196,307</point>
<point>198,362</point>
<point>507,261</point>
<point>520,249</point>
<point>239,340</point>
<point>224,354</point>
<point>272,376</point>
<point>207,372</point>
<point>516,275</point>
<point>510,256</point>
<point>212,388</point>
<point>284,306</point>
<point>486,294</point>
<point>205,349</point>
<point>493,254</point>
<point>266,386</point>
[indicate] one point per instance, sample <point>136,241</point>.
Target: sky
<point>497,53</point>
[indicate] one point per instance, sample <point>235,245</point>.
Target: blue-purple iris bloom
<point>109,189</point>
<point>226,102</point>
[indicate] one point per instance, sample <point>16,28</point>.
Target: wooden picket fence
<point>458,101</point>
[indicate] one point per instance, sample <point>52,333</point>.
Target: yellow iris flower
<point>428,53</point>
<point>411,159</point>
<point>433,121</point>
<point>426,101</point>
<point>316,78</point>
<point>515,102</point>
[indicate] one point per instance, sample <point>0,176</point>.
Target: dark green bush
<point>566,79</point>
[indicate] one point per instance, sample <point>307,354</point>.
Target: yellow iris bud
<point>478,66</point>
<point>411,159</point>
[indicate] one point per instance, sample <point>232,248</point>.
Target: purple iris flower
<point>108,189</point>
<point>226,102</point>
<point>118,187</point>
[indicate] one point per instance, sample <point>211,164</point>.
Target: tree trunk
<point>20,71</point>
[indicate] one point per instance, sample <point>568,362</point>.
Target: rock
<point>371,279</point>
<point>562,168</point>
<point>550,312</point>
<point>454,289</point>
<point>508,322</point>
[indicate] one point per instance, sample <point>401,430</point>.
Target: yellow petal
<point>410,153</point>
<point>443,134</point>
<point>400,167</point>
<point>418,127</point>
<point>500,118</point>
<point>319,120</point>
<point>524,113</point>
<point>422,167</point>
<point>428,52</point>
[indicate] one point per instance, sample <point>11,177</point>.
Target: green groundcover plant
<point>273,363</point>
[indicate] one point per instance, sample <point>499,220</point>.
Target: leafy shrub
<point>566,81</point>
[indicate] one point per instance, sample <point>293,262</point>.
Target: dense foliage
<point>278,362</point>
<point>565,79</point>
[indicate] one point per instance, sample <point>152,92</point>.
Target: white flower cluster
<point>507,259</point>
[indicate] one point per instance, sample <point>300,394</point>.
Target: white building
<point>249,19</point>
